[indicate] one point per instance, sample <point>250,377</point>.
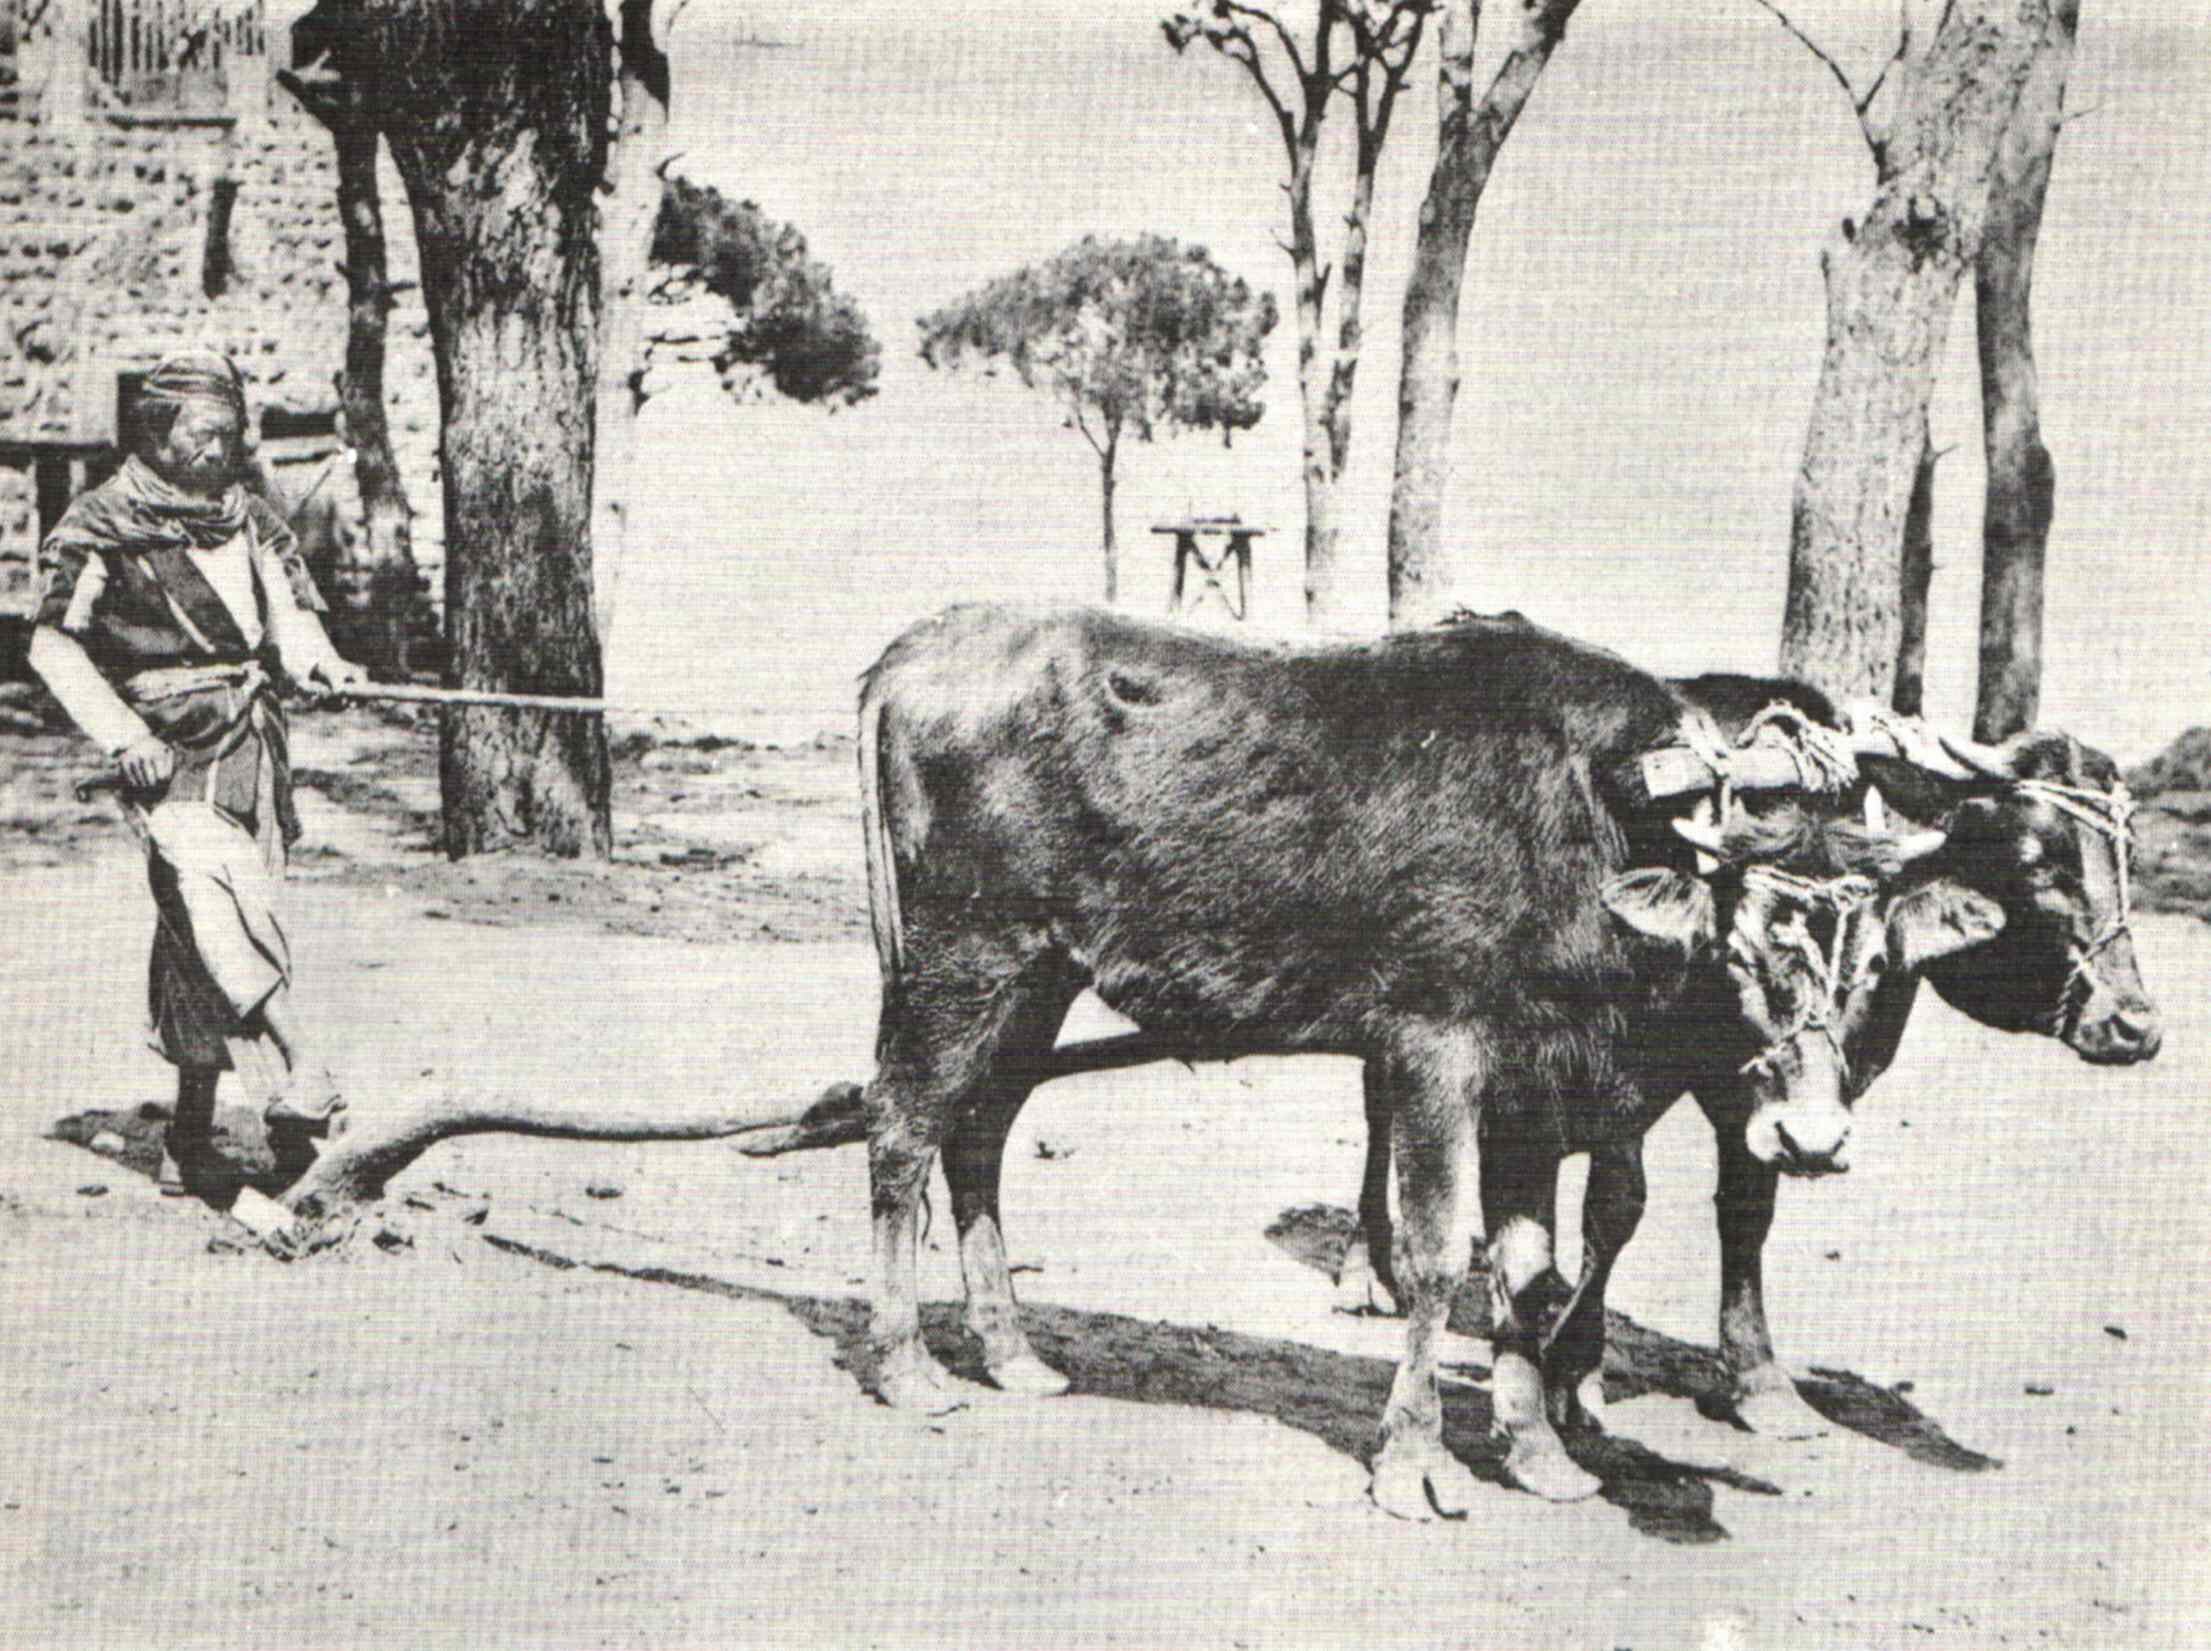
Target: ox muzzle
<point>1800,1118</point>
<point>2107,1015</point>
<point>2109,1018</point>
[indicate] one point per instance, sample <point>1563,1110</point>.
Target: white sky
<point>1640,335</point>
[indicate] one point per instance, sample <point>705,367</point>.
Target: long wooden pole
<point>581,704</point>
<point>577,704</point>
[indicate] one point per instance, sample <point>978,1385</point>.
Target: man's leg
<point>190,1166</point>
<point>222,898</point>
<point>302,1103</point>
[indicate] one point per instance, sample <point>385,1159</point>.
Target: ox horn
<point>1877,731</point>
<point>1991,762</point>
<point>1919,845</point>
<point>1705,836</point>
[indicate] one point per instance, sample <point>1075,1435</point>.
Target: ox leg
<point>1573,1363</point>
<point>1415,1477</point>
<point>1765,1400</point>
<point>1364,1282</point>
<point>1519,1191</point>
<point>941,1024</point>
<point>974,1158</point>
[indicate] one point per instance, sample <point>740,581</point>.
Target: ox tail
<point>883,912</point>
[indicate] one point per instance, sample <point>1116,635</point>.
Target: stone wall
<point>103,239</point>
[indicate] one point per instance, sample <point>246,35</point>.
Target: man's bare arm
<point>72,678</point>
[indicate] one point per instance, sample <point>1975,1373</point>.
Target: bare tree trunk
<point>627,215</point>
<point>1343,372</point>
<point>1918,579</point>
<point>1891,284</point>
<point>2022,482</point>
<point>1106,456</point>
<point>1382,42</point>
<point>1421,570</point>
<point>377,585</point>
<point>496,112</point>
<point>381,581</point>
<point>1325,598</point>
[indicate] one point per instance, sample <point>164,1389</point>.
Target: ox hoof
<point>1028,1376</point>
<point>1772,1410</point>
<point>912,1380</point>
<point>1360,1290</point>
<point>1581,1408</point>
<point>1420,1481</point>
<point>1541,1467</point>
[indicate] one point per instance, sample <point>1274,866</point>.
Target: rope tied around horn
<point>1847,897</point>
<point>1822,756</point>
<point>2110,814</point>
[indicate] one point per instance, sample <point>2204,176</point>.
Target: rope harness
<point>1826,762</point>
<point>1823,757</point>
<point>2110,815</point>
<point>1848,897</point>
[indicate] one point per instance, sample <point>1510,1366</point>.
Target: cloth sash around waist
<point>202,709</point>
<point>227,726</point>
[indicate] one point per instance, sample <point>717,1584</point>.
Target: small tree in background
<point>789,326</point>
<point>1128,336</point>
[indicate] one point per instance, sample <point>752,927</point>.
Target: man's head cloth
<point>194,375</point>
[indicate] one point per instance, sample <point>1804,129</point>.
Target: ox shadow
<point>1640,1360</point>
<point>1335,1397</point>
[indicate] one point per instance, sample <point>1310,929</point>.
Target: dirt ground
<point>601,1395</point>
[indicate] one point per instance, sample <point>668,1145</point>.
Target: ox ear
<point>1666,905</point>
<point>1939,918</point>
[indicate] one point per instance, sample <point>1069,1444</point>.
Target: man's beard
<point>207,476</point>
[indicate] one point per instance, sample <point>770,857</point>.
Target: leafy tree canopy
<point>1133,335</point>
<point>791,324</point>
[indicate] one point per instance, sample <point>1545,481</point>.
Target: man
<point>170,594</point>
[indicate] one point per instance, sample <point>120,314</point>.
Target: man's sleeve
<point>72,573</point>
<point>289,598</point>
<point>278,546</point>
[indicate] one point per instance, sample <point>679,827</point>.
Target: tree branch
<point>1233,8</point>
<point>1226,42</point>
<point>1074,403</point>
<point>1903,50</point>
<point>1858,105</point>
